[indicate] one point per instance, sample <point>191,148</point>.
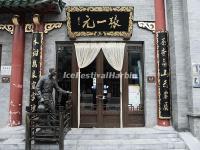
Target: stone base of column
<point>164,122</point>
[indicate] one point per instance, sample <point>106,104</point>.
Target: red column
<point>16,83</point>
<point>160,25</point>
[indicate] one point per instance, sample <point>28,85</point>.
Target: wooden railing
<point>48,127</point>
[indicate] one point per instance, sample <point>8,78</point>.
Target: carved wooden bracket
<point>147,25</point>
<point>51,26</point>
<point>29,27</point>
<point>8,27</point>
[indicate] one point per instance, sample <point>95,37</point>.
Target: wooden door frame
<point>99,88</point>
<point>74,87</point>
<point>74,82</point>
<point>125,88</point>
<point>125,107</point>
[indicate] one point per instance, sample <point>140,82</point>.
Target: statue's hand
<point>41,100</point>
<point>68,92</point>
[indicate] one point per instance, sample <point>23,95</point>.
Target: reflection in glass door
<point>111,88</point>
<point>134,100</point>
<point>135,82</point>
<point>88,88</point>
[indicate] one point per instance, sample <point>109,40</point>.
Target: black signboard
<point>100,21</point>
<point>36,59</point>
<point>163,75</point>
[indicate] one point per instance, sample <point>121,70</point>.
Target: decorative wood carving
<point>29,28</point>
<point>51,26</point>
<point>8,27</point>
<point>147,25</point>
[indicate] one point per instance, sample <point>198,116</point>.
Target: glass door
<point>100,95</point>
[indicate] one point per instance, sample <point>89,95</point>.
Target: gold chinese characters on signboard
<point>36,64</point>
<point>164,100</point>
<point>100,21</point>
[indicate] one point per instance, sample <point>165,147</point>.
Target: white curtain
<point>87,52</point>
<point>85,55</point>
<point>114,53</point>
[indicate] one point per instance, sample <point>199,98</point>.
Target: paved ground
<point>157,138</point>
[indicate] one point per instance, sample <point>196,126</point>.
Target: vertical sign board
<point>163,75</point>
<point>36,62</point>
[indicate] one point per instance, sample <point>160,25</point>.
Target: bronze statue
<point>44,90</point>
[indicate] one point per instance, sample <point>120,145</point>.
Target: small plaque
<point>196,75</point>
<point>150,79</point>
<point>6,70</point>
<point>5,79</point>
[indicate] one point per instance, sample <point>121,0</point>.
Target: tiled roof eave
<point>35,5</point>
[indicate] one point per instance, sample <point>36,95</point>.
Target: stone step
<point>103,135</point>
<point>139,144</point>
<point>142,130</point>
<point>126,144</point>
<point>114,133</point>
<point>103,139</point>
<point>119,136</point>
<point>12,136</point>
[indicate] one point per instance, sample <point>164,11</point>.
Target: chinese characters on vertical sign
<point>100,21</point>
<point>36,57</point>
<point>163,75</point>
<point>196,75</point>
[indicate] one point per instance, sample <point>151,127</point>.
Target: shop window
<point>64,67</point>
<point>135,82</point>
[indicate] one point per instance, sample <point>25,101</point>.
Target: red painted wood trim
<point>160,24</point>
<point>16,84</point>
<point>160,15</point>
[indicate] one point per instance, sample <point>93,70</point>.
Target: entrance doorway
<point>100,95</point>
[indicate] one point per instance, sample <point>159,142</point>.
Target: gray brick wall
<point>6,41</point>
<point>138,35</point>
<point>143,12</point>
<point>194,41</point>
<point>183,20</point>
<point>178,63</point>
<point>194,53</point>
<point>27,73</point>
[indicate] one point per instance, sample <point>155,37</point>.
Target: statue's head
<point>52,71</point>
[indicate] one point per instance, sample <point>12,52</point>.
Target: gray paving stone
<point>109,139</point>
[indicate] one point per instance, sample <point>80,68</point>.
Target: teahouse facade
<point>121,61</point>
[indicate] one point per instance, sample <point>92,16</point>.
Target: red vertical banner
<point>16,83</point>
